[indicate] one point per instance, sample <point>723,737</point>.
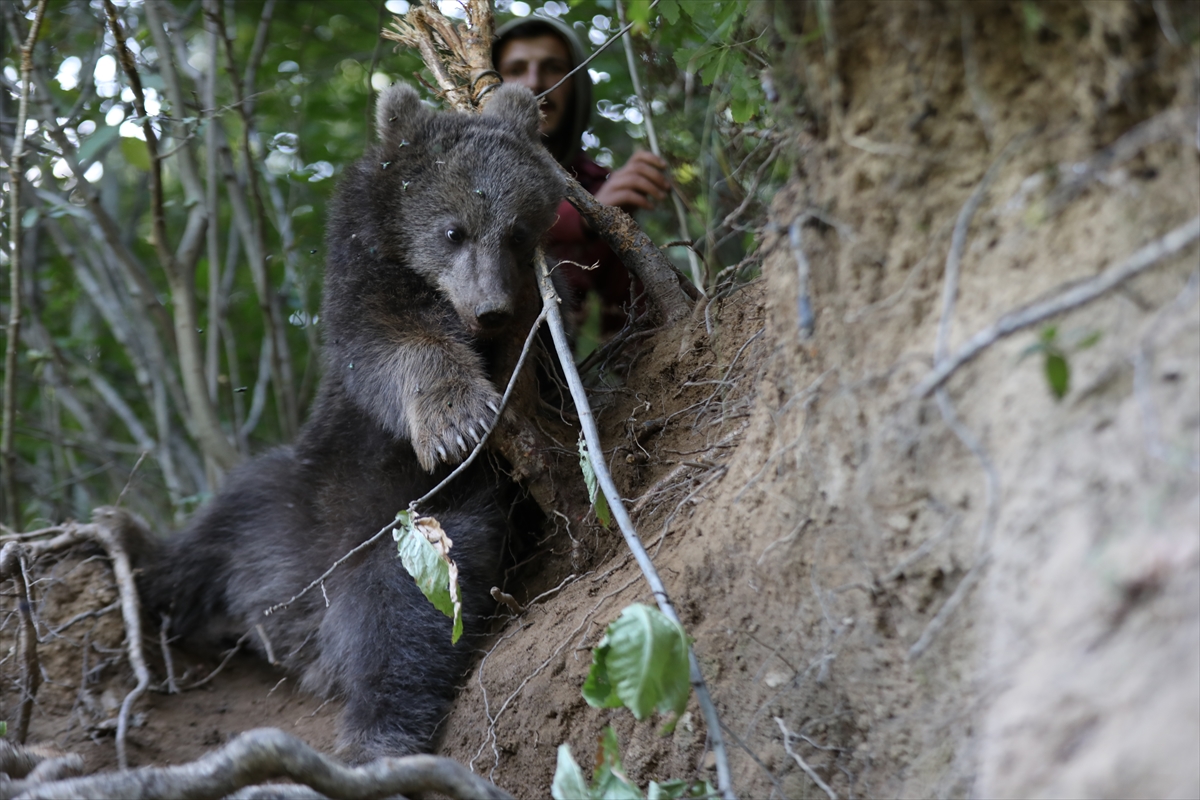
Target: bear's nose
<point>493,315</point>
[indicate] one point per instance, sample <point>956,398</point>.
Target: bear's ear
<point>398,113</point>
<point>517,106</point>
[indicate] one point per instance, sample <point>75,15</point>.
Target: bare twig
<point>663,283</point>
<point>31,674</point>
<point>107,520</point>
<point>809,771</point>
<point>1066,299</point>
<point>624,30</point>
<point>165,646</point>
<point>251,220</point>
<point>616,504</point>
<point>7,453</point>
<point>652,137</point>
<point>494,718</point>
<point>267,753</point>
<point>804,313</point>
<point>233,651</point>
<point>958,244</point>
<point>180,265</point>
<point>1172,122</point>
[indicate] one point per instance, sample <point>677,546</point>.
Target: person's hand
<point>638,184</point>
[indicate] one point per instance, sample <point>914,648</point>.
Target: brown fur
<point>419,327</point>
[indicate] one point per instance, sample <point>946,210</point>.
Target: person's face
<point>538,63</point>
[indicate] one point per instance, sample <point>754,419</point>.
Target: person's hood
<point>565,144</point>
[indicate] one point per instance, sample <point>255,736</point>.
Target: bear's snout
<point>493,316</point>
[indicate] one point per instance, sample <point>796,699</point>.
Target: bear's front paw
<point>449,421</point>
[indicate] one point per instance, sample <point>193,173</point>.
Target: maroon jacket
<point>571,240</point>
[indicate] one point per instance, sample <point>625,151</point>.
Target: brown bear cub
<point>429,293</point>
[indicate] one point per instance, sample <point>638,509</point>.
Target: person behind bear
<point>537,53</point>
<point>429,294</point>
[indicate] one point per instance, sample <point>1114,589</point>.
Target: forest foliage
<point>169,332</point>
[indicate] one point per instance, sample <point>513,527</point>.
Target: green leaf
<point>700,12</point>
<point>425,552</point>
<point>714,69</point>
<point>595,496</point>
<point>743,110</point>
<point>691,59</point>
<point>638,11</point>
<point>136,153</point>
<point>569,783</point>
<point>670,10</point>
<point>642,661</point>
<point>610,781</point>
<point>1049,334</point>
<point>1090,340</point>
<point>597,688</point>
<point>1058,374</point>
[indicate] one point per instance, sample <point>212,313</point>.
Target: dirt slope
<point>833,543</point>
<point>850,513</point>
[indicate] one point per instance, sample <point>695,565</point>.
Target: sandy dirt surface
<point>995,594</point>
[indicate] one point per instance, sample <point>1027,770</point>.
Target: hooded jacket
<point>570,240</point>
<point>566,142</point>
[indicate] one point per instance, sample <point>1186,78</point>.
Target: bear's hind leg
<point>387,649</point>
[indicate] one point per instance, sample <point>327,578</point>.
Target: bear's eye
<point>519,237</point>
<point>454,235</point>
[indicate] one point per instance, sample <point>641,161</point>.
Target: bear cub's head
<point>463,200</point>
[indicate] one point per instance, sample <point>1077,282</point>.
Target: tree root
<point>262,755</point>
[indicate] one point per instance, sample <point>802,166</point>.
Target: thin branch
<point>668,289</point>
<point>624,30</point>
<point>616,505</point>
<point>958,243</point>
<point>257,50</point>
<point>7,452</point>
<point>1179,122</point>
<point>31,674</point>
<point>233,651</point>
<point>179,266</point>
<point>804,313</point>
<point>1064,300</point>
<point>652,137</point>
<point>809,771</point>
<point>252,223</point>
<point>108,520</point>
